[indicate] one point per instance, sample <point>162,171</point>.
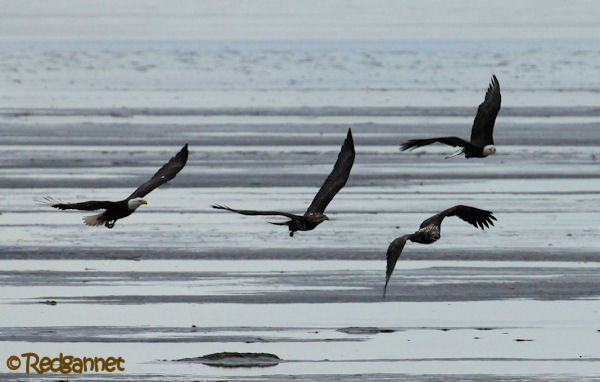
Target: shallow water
<point>93,119</point>
<point>518,301</point>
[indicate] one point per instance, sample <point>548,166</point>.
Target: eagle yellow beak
<point>143,201</point>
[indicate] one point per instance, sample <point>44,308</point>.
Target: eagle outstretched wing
<point>337,178</point>
<point>474,216</point>
<point>450,141</point>
<point>167,172</point>
<point>91,205</point>
<point>483,126</point>
<point>253,212</point>
<point>393,254</point>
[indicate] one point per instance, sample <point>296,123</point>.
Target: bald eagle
<point>429,232</point>
<point>482,141</point>
<point>314,215</point>
<point>114,211</point>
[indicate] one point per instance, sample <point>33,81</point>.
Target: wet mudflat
<point>179,280</point>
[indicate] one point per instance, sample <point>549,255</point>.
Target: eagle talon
<point>110,224</point>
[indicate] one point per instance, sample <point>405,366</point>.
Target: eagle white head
<point>489,150</point>
<point>134,203</point>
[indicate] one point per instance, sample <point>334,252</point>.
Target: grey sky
<point>306,19</point>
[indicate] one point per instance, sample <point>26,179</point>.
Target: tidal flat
<point>179,280</point>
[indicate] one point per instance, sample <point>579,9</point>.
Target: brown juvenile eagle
<point>114,211</point>
<point>429,232</point>
<point>482,141</point>
<point>315,215</point>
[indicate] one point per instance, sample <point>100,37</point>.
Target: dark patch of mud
<point>364,330</point>
<point>235,359</point>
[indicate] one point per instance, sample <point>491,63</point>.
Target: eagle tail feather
<point>94,220</point>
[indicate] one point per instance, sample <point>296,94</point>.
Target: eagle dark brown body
<point>481,143</point>
<point>315,214</point>
<point>430,231</point>
<point>114,211</point>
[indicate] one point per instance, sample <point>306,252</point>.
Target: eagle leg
<point>455,154</point>
<point>110,224</point>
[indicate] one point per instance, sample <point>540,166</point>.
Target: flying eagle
<point>482,140</point>
<point>314,215</point>
<point>429,232</point>
<point>114,211</point>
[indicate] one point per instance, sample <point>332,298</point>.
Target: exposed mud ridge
<point>235,359</point>
<point>364,330</point>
